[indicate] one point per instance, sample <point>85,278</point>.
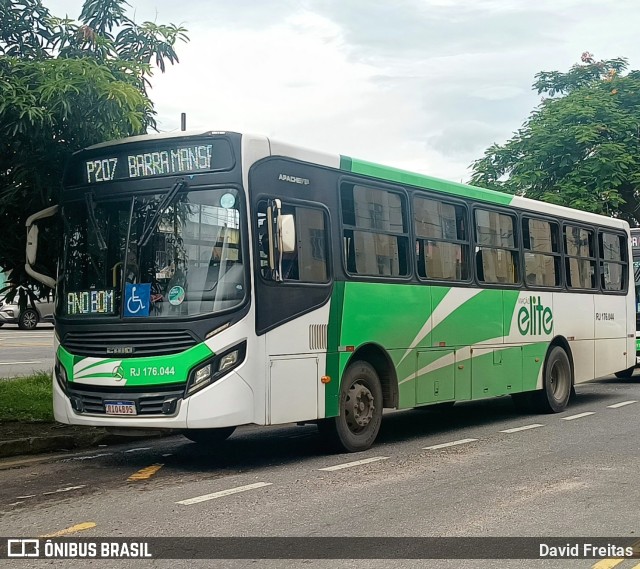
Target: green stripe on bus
<point>332,389</point>
<point>139,371</point>
<point>422,181</point>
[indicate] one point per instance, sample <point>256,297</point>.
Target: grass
<point>26,398</point>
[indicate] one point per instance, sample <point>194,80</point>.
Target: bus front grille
<point>161,400</point>
<point>128,344</point>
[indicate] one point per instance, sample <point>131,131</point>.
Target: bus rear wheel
<point>558,383</point>
<point>209,436</point>
<point>357,426</point>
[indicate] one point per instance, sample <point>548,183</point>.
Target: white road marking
<point>617,405</point>
<point>355,463</point>
<point>137,449</point>
<point>67,489</point>
<point>451,444</point>
<point>223,493</point>
<point>25,497</point>
<point>15,503</point>
<point>578,416</point>
<point>88,457</point>
<point>525,428</point>
<point>17,363</point>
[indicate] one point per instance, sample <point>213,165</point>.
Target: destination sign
<point>161,160</point>
<point>90,302</point>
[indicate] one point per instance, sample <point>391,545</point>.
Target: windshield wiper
<point>151,224</point>
<point>91,206</point>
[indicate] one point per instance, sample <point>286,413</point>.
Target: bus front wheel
<point>356,427</point>
<point>558,382</point>
<point>209,436</point>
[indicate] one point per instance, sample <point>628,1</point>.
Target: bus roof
<point>473,192</point>
<point>390,174</point>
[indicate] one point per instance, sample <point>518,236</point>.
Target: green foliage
<point>65,85</point>
<point>26,398</point>
<point>580,147</point>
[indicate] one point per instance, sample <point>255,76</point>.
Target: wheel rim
<point>29,320</point>
<point>359,407</point>
<point>559,380</point>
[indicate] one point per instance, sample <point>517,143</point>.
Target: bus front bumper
<point>226,403</point>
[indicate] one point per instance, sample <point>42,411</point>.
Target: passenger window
<point>442,241</point>
<point>580,257</point>
<point>614,265</point>
<point>376,241</point>
<point>542,260</point>
<point>496,250</point>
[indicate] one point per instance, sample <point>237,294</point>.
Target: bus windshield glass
<point>147,256</point>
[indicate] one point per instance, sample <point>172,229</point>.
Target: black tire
<point>357,426</point>
<point>209,436</point>
<point>625,374</point>
<point>557,383</point>
<point>28,319</point>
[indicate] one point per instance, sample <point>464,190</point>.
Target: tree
<point>580,147</point>
<point>65,85</point>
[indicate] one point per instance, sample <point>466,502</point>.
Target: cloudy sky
<point>425,85</point>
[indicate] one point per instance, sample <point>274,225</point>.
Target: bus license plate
<point>120,408</point>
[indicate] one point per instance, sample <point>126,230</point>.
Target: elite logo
<point>534,318</point>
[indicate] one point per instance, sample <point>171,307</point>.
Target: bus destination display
<point>164,161</point>
<point>90,302</point>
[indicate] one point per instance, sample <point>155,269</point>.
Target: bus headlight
<point>228,361</point>
<point>202,374</point>
<point>212,370</point>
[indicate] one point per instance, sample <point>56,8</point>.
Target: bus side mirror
<point>31,252</point>
<point>282,236</point>
<point>288,233</point>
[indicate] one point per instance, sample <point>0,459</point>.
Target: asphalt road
<point>570,474</point>
<point>23,352</point>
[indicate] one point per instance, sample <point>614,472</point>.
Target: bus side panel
<point>396,317</point>
<point>496,371</point>
<point>530,323</point>
<point>473,320</point>
<point>610,333</point>
<point>296,352</point>
<point>574,319</point>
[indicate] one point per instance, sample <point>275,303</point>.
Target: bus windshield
<point>147,256</point>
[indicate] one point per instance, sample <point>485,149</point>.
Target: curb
<point>35,445</point>
<point>41,445</point>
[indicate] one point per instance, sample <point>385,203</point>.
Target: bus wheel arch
<point>563,343</point>
<point>376,356</point>
<point>368,384</point>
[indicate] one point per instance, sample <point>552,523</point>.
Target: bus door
<point>293,287</point>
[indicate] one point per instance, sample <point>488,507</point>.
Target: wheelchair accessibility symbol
<point>137,299</point>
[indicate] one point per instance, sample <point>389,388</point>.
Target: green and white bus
<point>216,279</point>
